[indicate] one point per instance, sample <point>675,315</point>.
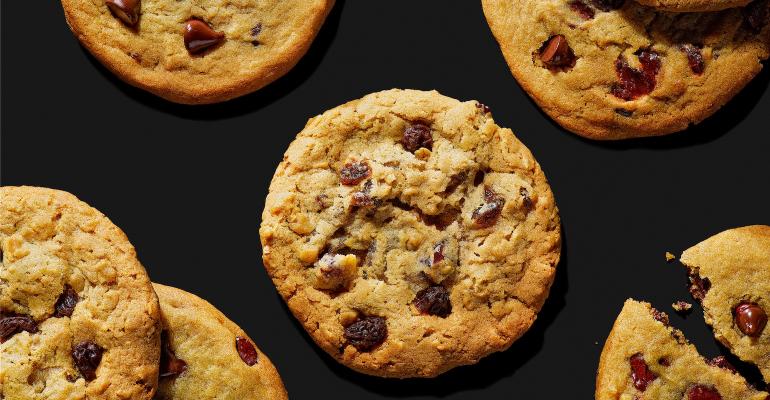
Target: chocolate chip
<point>66,303</point>
<point>702,392</point>
<point>417,136</point>
<point>721,362</point>
<point>525,199</point>
<point>694,58</point>
<point>199,36</point>
<point>633,82</point>
<point>433,300</point>
<point>756,15</point>
<point>698,286</point>
<point>87,356</point>
<point>483,107</point>
<point>750,318</point>
<point>641,375</point>
<point>624,112</point>
<point>366,333</point>
<point>246,350</point>
<point>170,365</point>
<point>127,10</point>
<point>556,53</point>
<point>582,9</point>
<point>488,213</point>
<point>255,31</point>
<point>608,5</point>
<point>13,324</point>
<point>354,172</point>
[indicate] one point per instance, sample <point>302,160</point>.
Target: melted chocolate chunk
<point>417,136</point>
<point>246,350</point>
<point>127,11</point>
<point>750,319</point>
<point>433,301</point>
<point>66,303</point>
<point>199,36</point>
<point>170,365</point>
<point>13,324</point>
<point>556,53</point>
<point>87,356</point>
<point>366,333</point>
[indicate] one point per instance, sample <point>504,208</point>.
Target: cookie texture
<point>78,316</point>
<point>644,358</point>
<point>616,69</point>
<point>409,234</point>
<point>730,276</point>
<point>235,47</point>
<point>693,5</point>
<point>206,356</point>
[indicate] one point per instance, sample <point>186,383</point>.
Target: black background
<point>187,184</point>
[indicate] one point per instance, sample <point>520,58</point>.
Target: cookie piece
<point>615,69</point>
<point>197,52</point>
<point>409,234</point>
<point>730,276</point>
<point>78,316</point>
<point>693,5</point>
<point>206,356</point>
<point>644,358</point>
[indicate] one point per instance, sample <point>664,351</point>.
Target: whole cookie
<point>78,316</point>
<point>409,234</point>
<point>694,5</point>
<point>644,358</point>
<point>197,52</point>
<point>206,356</point>
<point>730,276</point>
<point>613,69</point>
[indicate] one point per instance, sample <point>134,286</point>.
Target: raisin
<point>87,356</point>
<point>455,181</point>
<point>633,82</point>
<point>433,300</point>
<point>640,372</point>
<point>608,5</point>
<point>582,9</point>
<point>721,362</point>
<point>556,53</point>
<point>354,172</point>
<point>11,325</point>
<point>750,318</point>
<point>362,198</point>
<point>698,286</point>
<point>170,365</point>
<point>246,350</point>
<point>199,36</point>
<point>443,220</point>
<point>756,15</point>
<point>66,303</point>
<point>366,333</point>
<point>416,136</point>
<point>702,392</point>
<point>488,213</point>
<point>478,178</point>
<point>694,58</point>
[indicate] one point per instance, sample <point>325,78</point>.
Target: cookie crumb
<point>669,257</point>
<point>682,307</point>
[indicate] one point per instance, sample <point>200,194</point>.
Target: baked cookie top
<point>206,356</point>
<point>644,358</point>
<point>409,234</point>
<point>78,316</point>
<point>694,5</point>
<point>730,276</point>
<point>613,69</point>
<point>196,52</point>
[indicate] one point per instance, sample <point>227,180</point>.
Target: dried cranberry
<point>608,5</point>
<point>660,316</point>
<point>488,213</point>
<point>699,286</point>
<point>87,356</point>
<point>433,301</point>
<point>640,372</point>
<point>483,107</point>
<point>582,9</point>
<point>416,136</point>
<point>66,303</point>
<point>756,15</point>
<point>354,172</point>
<point>633,82</point>
<point>721,362</point>
<point>438,253</point>
<point>246,350</point>
<point>11,325</point>
<point>362,198</point>
<point>170,365</point>
<point>366,333</point>
<point>694,58</point>
<point>702,392</point>
<point>750,318</point>
<point>556,53</point>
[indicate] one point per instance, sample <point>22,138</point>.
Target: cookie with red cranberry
<point>410,234</point>
<point>78,316</point>
<point>645,358</point>
<point>693,5</point>
<point>205,356</point>
<point>614,69</point>
<point>197,52</point>
<point>730,276</point>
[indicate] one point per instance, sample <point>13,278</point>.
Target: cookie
<point>78,316</point>
<point>613,69</point>
<point>644,358</point>
<point>693,5</point>
<point>730,276</point>
<point>206,356</point>
<point>197,52</point>
<point>409,234</point>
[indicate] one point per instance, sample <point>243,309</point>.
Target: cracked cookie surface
<point>262,41</point>
<point>644,358</point>
<point>208,357</point>
<point>693,5</point>
<point>409,234</point>
<point>730,276</point>
<point>613,69</point>
<point>78,316</point>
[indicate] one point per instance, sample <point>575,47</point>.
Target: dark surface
<point>187,184</point>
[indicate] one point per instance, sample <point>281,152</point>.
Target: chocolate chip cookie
<point>205,356</point>
<point>693,5</point>
<point>78,316</point>
<point>409,234</point>
<point>644,358</point>
<point>730,276</point>
<point>614,69</point>
<point>197,52</point>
